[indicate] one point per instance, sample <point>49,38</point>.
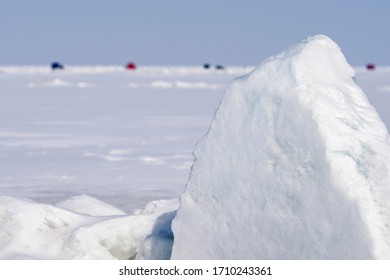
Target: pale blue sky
<point>186,32</point>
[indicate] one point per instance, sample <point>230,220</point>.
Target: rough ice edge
<point>30,230</point>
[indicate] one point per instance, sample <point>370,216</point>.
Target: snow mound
<point>30,230</point>
<point>295,165</point>
<point>85,204</point>
<point>50,82</point>
<point>184,85</point>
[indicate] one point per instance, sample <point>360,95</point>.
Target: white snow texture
<point>295,165</point>
<point>84,228</point>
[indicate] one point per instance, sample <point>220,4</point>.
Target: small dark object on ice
<point>131,66</point>
<point>206,66</point>
<point>57,65</point>
<point>370,66</point>
<point>219,67</point>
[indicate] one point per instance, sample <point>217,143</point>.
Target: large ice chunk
<point>87,229</point>
<point>295,165</point>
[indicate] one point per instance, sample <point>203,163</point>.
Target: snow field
<point>124,145</point>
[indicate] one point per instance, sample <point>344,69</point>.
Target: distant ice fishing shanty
<point>131,66</point>
<point>57,66</point>
<point>218,66</point>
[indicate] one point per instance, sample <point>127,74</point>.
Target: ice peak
<point>322,40</point>
<point>295,166</point>
<point>317,59</point>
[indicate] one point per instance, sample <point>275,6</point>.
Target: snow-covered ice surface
<point>125,137</point>
<point>71,139</point>
<point>82,151</point>
<point>295,166</point>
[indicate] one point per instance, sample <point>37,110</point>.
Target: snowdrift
<point>83,227</point>
<point>295,165</point>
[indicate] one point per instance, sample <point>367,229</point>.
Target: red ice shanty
<point>131,66</point>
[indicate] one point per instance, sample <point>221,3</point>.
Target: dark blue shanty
<point>57,66</point>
